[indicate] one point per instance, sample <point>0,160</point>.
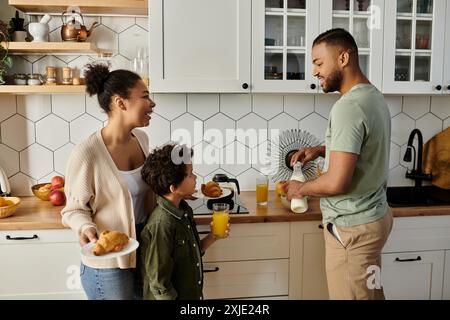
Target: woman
<point>104,187</point>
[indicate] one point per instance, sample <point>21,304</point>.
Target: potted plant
<point>17,31</point>
<point>5,60</point>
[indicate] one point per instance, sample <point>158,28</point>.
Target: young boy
<point>171,248</point>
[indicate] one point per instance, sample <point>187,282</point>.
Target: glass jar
<point>67,75</point>
<point>20,79</point>
<point>105,59</point>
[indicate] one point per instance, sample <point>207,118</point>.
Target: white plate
<point>86,251</point>
<point>198,194</point>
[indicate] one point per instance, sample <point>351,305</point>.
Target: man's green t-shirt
<point>360,123</point>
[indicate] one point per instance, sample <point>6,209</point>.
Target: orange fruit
<point>279,188</point>
<point>2,202</point>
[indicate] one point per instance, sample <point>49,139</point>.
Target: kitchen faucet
<point>416,174</point>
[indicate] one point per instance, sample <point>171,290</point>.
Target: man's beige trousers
<point>347,263</point>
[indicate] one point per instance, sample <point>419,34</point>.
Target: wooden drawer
<point>245,279</point>
<point>251,241</point>
<point>37,236</point>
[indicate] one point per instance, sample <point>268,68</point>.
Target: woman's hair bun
<point>95,76</point>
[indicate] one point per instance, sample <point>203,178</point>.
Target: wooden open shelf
<point>56,48</point>
<point>113,7</point>
<point>43,89</point>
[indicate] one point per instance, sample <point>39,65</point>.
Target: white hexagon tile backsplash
<point>38,132</point>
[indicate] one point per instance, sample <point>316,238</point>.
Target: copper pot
<point>73,30</point>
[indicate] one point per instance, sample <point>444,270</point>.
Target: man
<point>356,217</point>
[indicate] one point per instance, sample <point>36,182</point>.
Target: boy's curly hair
<point>160,171</point>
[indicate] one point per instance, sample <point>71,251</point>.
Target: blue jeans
<point>109,284</point>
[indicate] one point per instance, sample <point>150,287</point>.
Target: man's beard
<point>333,83</point>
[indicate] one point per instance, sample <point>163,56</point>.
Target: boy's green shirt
<point>171,254</point>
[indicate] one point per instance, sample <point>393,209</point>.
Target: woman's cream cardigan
<point>97,195</point>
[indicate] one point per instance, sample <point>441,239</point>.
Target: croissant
<point>110,241</point>
<point>211,189</point>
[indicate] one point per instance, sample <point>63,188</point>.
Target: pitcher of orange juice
<point>220,217</point>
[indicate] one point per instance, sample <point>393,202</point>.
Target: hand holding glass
<point>220,218</point>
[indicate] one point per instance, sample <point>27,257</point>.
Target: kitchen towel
<point>436,159</point>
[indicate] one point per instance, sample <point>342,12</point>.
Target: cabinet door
<point>44,267</point>
<point>446,288</point>
<point>446,82</point>
<point>307,277</point>
<point>200,45</point>
<point>414,46</point>
<point>364,20</point>
<point>283,32</point>
<point>413,275</point>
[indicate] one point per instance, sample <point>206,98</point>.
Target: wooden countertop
<point>36,214</point>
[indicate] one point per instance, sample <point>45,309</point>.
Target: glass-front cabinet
<point>364,20</point>
<point>283,32</point>
<point>414,42</point>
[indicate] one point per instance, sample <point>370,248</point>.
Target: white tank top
<point>138,190</point>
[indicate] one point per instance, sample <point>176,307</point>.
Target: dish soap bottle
<point>299,205</point>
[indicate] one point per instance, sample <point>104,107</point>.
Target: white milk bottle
<point>299,205</point>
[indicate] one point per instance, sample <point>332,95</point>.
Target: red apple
<point>57,182</point>
<point>57,197</point>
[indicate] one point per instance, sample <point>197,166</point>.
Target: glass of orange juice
<point>220,217</point>
<point>262,191</point>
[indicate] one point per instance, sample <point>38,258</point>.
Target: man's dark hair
<point>160,171</point>
<point>338,37</point>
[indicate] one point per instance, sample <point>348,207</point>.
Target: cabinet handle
<point>320,226</point>
<point>8,237</point>
<point>438,87</point>
<point>211,270</point>
<point>245,86</point>
<point>204,232</point>
<point>408,260</point>
<point>313,86</point>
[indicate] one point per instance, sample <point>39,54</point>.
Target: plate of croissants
<point>110,244</point>
<point>211,190</point>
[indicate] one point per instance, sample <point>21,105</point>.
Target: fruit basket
<point>9,209</point>
<point>42,190</point>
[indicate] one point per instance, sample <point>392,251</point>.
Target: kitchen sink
<point>417,196</point>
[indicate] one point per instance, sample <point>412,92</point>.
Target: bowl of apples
<point>51,191</point>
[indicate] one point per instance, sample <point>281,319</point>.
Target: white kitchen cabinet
<point>282,35</point>
<point>413,258</point>
<point>446,285</point>
<point>414,47</point>
<point>40,264</point>
<point>364,20</point>
<point>253,262</point>
<point>200,45</point>
<point>307,276</point>
<point>413,275</point>
<point>246,279</point>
